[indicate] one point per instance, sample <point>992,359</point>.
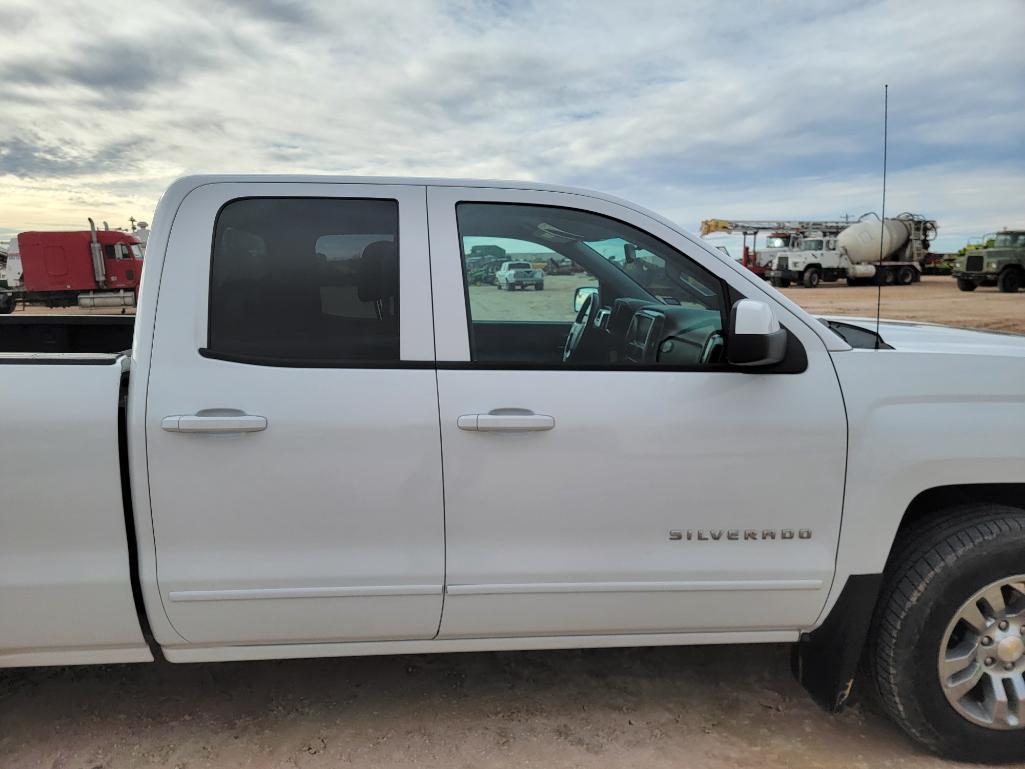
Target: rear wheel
<point>906,275</point>
<point>964,284</point>
<point>539,286</point>
<point>812,277</point>
<point>947,650</point>
<point>1010,280</point>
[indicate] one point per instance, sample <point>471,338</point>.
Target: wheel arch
<point>825,661</point>
<point>938,498</point>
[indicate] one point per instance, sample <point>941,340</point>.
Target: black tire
<point>1010,281</point>
<point>906,275</point>
<point>853,282</point>
<point>6,304</point>
<point>964,284</point>
<point>812,277</point>
<point>935,567</point>
<point>539,286</point>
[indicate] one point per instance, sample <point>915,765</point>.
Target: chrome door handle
<point>214,421</point>
<point>506,421</point>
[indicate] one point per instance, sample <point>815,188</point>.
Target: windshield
<point>775,242</point>
<point>811,245</point>
<point>1008,239</point>
<point>650,271</point>
<point>136,250</point>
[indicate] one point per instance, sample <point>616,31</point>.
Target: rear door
<point>292,417</point>
<point>642,487</point>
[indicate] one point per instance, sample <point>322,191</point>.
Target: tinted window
<point>633,273</point>
<point>296,279</point>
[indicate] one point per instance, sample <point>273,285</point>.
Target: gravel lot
<point>935,300</point>
<point>686,707</point>
<point>695,707</point>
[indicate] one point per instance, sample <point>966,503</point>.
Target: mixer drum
<point>861,240</point>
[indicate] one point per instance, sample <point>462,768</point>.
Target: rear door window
<point>297,280</point>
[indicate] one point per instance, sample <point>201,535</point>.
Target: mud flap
<point>825,660</point>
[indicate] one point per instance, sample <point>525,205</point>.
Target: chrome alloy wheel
<point>982,657</point>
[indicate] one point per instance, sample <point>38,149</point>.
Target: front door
<point>606,472</point>
<point>292,417</point>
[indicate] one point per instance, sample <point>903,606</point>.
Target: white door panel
<point>328,524</point>
<point>568,530</point>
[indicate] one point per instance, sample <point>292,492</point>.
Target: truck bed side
<point>65,581</point>
<point>66,333</point>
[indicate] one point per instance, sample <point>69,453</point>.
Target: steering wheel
<point>582,328</point>
<point>712,349</point>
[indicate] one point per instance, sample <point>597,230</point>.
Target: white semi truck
<point>890,252</point>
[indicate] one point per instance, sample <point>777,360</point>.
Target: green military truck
<point>1000,262</point>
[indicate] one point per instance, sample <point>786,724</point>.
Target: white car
<point>303,456</point>
<point>519,275</point>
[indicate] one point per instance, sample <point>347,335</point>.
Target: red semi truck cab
<point>62,261</point>
<point>90,268</point>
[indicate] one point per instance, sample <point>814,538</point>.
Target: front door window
<point>547,285</point>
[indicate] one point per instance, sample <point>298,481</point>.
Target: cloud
<point>286,12</point>
<point>34,157</point>
<point>693,109</point>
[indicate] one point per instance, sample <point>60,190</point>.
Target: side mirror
<point>580,296</point>
<point>755,337</point>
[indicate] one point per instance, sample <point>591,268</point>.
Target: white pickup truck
<point>519,275</point>
<point>313,442</point>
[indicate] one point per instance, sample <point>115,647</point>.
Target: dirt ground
<point>695,707</point>
<point>935,300</point>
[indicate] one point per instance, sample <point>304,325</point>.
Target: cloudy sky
<point>694,109</point>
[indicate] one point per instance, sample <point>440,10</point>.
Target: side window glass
<point>561,287</point>
<point>305,279</point>
<point>494,265</point>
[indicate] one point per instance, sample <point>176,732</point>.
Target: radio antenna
<point>882,216</point>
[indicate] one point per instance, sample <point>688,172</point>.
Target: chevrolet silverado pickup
<point>317,438</point>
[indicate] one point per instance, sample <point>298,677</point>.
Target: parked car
<point>271,460</point>
<point>519,275</point>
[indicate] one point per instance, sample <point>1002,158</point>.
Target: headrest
<point>378,277</point>
<point>243,254</point>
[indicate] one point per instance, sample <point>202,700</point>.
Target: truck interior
<point>652,306</point>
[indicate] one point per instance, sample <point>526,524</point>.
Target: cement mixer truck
<point>854,254</point>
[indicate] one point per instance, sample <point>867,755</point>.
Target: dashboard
<point>643,333</point>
